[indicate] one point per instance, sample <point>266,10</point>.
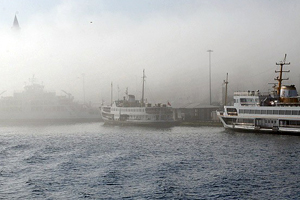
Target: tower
<point>15,26</point>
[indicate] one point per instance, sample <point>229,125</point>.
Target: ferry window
<point>252,111</point>
<point>263,112</point>
<point>275,112</point>
<point>281,112</point>
<point>243,100</point>
<point>270,112</point>
<point>295,112</point>
<point>242,111</point>
<point>288,112</point>
<point>249,121</point>
<point>247,111</point>
<point>231,110</point>
<point>257,111</point>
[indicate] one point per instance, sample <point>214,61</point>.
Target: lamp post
<point>83,87</point>
<point>209,53</point>
<point>226,83</point>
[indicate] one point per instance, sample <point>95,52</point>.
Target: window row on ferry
<point>149,117</point>
<point>128,109</point>
<point>270,112</point>
<point>247,101</point>
<point>141,117</point>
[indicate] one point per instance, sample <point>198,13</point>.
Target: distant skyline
<point>114,40</point>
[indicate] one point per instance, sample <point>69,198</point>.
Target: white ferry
<point>278,111</point>
<point>34,105</point>
<point>130,111</point>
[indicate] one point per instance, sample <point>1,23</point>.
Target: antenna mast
<point>280,79</point>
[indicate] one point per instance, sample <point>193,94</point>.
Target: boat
<point>277,111</point>
<point>34,105</point>
<point>130,111</point>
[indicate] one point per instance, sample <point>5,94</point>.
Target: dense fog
<point>83,46</point>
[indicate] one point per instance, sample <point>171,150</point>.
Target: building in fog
<point>197,112</point>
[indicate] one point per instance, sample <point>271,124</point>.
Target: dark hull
<point>262,131</point>
<point>146,124</point>
<point>256,129</point>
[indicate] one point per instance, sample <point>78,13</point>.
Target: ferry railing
<point>251,93</point>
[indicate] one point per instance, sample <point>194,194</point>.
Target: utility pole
<point>143,89</point>
<point>209,53</point>
<point>83,88</point>
<point>111,93</point>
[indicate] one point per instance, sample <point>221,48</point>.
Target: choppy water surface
<point>97,162</point>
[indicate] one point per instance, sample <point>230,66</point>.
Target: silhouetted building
<point>197,112</point>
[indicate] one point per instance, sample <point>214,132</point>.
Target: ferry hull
<point>140,123</point>
<point>253,128</point>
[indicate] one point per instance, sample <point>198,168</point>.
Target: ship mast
<point>226,83</point>
<point>143,89</point>
<point>280,79</point>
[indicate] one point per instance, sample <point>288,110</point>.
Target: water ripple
<point>89,161</point>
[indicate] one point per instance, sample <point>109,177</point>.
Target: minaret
<point>15,26</point>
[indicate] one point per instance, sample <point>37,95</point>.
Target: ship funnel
<point>131,98</point>
<point>288,94</point>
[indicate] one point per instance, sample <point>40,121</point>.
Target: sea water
<point>92,161</point>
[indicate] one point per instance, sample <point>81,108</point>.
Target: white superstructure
<point>253,110</point>
<point>130,111</point>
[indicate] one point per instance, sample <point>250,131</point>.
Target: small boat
<point>130,111</point>
<point>277,111</point>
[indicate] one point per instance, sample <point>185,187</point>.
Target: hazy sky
<point>114,40</point>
